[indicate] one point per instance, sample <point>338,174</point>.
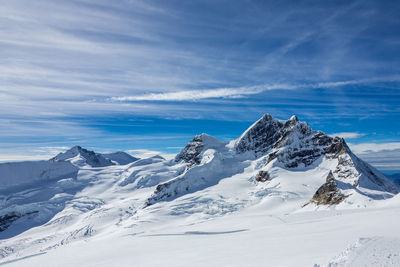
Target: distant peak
<point>266,117</point>
<point>78,149</point>
<point>294,118</point>
<point>85,157</point>
<point>191,152</point>
<point>203,135</point>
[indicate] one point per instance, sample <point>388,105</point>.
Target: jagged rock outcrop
<point>262,176</point>
<point>191,152</point>
<point>352,170</point>
<point>261,136</point>
<point>168,190</point>
<point>7,219</point>
<point>291,142</point>
<point>328,193</point>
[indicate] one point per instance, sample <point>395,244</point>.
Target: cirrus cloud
<point>348,135</point>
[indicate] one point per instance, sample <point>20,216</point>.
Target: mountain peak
<point>191,152</point>
<point>294,118</point>
<point>277,146</point>
<point>291,142</point>
<point>75,148</point>
<point>261,136</point>
<point>267,117</point>
<point>80,156</point>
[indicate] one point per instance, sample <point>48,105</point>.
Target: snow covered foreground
<point>279,195</point>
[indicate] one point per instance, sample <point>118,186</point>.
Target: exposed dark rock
<point>262,176</point>
<point>292,142</point>
<point>293,159</point>
<point>271,157</point>
<point>328,193</point>
<point>261,136</point>
<point>7,219</point>
<point>190,153</point>
<point>336,147</point>
<point>164,191</point>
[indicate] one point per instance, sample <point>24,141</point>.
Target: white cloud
<point>29,154</point>
<point>348,135</point>
<point>192,95</point>
<point>19,157</point>
<point>384,156</point>
<point>202,94</point>
<point>373,147</point>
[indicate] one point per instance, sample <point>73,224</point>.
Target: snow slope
<point>26,173</point>
<point>253,201</point>
<point>120,157</point>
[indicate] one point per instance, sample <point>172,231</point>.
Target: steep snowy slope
<point>277,178</point>
<point>120,157</point>
<point>31,172</point>
<point>18,199</point>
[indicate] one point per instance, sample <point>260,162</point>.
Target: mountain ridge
<point>277,167</point>
<point>291,143</point>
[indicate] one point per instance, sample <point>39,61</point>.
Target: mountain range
<point>277,169</point>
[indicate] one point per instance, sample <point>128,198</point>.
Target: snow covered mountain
<point>277,171</point>
<point>120,157</point>
<point>82,157</point>
<point>276,146</point>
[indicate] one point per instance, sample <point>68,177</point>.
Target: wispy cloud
<point>384,156</point>
<point>348,135</point>
<point>202,94</point>
<point>190,95</point>
<point>374,147</point>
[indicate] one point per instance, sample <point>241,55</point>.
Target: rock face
<point>80,156</point>
<point>328,193</point>
<point>168,190</point>
<point>291,145</point>
<point>261,136</point>
<point>191,152</point>
<point>262,176</point>
<point>292,142</point>
<point>7,219</point>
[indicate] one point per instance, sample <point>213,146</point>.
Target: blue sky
<point>148,75</point>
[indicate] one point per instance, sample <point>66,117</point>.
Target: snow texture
<point>120,157</point>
